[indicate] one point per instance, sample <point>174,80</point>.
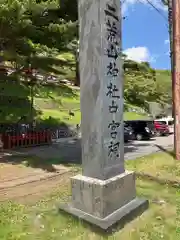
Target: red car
<point>161,128</point>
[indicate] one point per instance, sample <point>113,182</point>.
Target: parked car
<point>128,133</point>
<point>142,129</point>
<point>162,129</point>
<point>168,121</point>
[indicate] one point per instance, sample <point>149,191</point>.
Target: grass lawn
<point>62,115</point>
<point>161,165</point>
<point>54,101</point>
<point>134,116</point>
<point>60,107</point>
<point>42,221</point>
<point>60,112</point>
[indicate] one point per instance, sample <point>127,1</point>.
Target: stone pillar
<point>105,192</point>
<point>101,88</point>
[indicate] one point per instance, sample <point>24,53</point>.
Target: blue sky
<point>145,33</point>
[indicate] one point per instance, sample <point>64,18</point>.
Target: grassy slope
<point>43,221</point>
<point>73,103</point>
<point>134,116</point>
<point>61,112</point>
<point>69,72</point>
<point>164,76</point>
<point>56,102</point>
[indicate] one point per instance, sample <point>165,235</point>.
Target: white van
<point>168,121</point>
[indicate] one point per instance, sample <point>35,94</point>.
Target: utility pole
<point>171,43</point>
<point>176,74</point>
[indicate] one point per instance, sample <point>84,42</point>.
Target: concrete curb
<point>61,140</point>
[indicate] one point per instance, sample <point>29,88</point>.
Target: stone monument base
<point>104,202</point>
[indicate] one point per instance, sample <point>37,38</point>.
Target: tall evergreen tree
<point>32,33</point>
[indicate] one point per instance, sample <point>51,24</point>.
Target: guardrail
<point>15,135</point>
<point>63,133</point>
<point>26,140</point>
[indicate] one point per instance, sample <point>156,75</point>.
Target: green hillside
<point>163,77</point>
<point>48,101</point>
<point>42,38</point>
<point>56,100</point>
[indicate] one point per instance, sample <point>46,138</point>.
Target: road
<point>69,150</point>
<point>137,149</point>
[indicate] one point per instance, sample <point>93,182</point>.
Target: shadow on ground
<point>46,157</point>
<point>171,153</point>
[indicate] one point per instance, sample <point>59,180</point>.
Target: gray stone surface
<point>100,198</point>
<point>123,214</point>
<point>105,192</point>
<point>95,80</point>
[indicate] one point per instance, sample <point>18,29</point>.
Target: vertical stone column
<point>101,88</point>
<point>105,192</point>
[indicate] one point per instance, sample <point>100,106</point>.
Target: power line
<point>158,11</point>
<point>150,3</point>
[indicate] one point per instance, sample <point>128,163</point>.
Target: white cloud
<point>139,54</point>
<point>166,41</point>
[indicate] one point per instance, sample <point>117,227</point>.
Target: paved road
<point>140,148</point>
<point>69,151</point>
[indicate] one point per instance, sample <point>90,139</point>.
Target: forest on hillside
<point>35,33</point>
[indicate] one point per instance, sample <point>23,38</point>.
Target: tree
<point>74,49</point>
<point>31,36</point>
<point>155,109</point>
<point>35,29</point>
<point>143,84</point>
<point>68,10</point>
